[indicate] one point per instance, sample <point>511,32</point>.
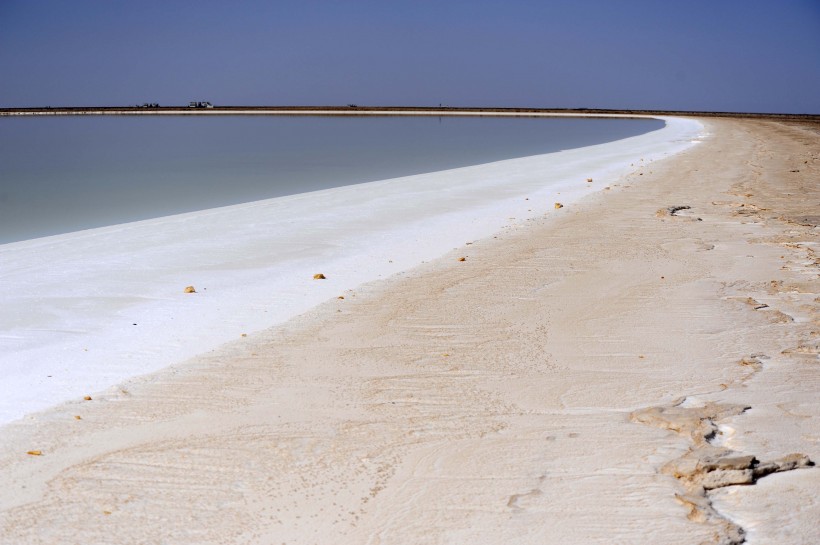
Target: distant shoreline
<point>381,110</point>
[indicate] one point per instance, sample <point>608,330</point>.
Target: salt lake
<point>64,174</point>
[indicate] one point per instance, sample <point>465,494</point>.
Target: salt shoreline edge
<point>90,309</point>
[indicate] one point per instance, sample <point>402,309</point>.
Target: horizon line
<point>206,107</point>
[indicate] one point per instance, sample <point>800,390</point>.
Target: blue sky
<point>727,55</point>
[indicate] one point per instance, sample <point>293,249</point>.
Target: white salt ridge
<point>84,311</point>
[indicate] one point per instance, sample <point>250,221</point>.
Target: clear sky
<point>718,55</point>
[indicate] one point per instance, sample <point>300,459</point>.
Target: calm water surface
<point>63,174</point>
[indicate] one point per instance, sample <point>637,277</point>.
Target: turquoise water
<point>63,174</point>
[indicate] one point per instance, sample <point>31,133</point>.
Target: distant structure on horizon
<point>194,104</point>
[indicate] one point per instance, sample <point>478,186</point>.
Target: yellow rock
<point>35,453</point>
<point>462,259</point>
<point>341,297</point>
<point>190,289</point>
<point>558,205</point>
<point>77,417</point>
<point>589,180</point>
<point>319,276</point>
<point>87,398</point>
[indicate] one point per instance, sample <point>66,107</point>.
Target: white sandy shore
<point>611,373</point>
<point>86,310</point>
